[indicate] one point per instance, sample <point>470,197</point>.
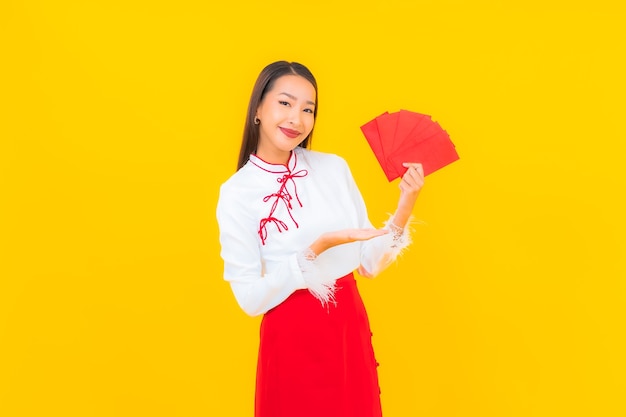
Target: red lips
<point>289,132</point>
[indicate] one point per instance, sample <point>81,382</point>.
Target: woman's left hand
<point>410,185</point>
<point>413,180</point>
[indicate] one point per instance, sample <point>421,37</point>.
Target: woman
<point>293,228</point>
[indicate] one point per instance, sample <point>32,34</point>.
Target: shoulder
<point>237,178</point>
<point>239,187</point>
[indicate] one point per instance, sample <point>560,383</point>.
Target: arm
<point>378,254</point>
<point>381,246</point>
<point>257,285</point>
<point>256,289</point>
<point>328,240</point>
<point>410,185</point>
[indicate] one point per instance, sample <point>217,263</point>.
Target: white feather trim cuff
<point>401,236</point>
<point>322,288</point>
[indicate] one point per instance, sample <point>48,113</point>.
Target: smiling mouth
<point>289,132</point>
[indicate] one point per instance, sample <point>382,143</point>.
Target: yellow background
<point>119,120</point>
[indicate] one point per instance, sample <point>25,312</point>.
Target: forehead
<point>295,85</point>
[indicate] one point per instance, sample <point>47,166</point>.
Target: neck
<point>277,158</point>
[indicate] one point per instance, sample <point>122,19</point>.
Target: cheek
<point>271,111</point>
<point>310,123</point>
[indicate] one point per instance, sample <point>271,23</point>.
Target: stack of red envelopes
<point>406,136</point>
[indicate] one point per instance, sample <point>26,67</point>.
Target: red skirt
<point>316,360</point>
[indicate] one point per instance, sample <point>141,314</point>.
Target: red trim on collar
<point>275,168</point>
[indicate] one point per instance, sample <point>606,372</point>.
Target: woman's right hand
<point>339,237</point>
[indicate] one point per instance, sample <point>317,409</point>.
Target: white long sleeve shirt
<point>269,214</point>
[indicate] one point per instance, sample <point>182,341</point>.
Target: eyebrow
<point>312,103</point>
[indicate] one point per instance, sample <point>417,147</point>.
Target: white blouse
<point>269,214</point>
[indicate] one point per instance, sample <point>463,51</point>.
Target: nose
<point>295,117</point>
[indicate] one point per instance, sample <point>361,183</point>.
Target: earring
<point>256,120</point>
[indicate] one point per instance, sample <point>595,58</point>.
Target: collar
<point>276,168</point>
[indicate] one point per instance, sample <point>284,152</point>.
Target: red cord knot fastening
<point>282,195</point>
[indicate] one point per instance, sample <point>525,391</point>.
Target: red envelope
<point>433,153</point>
<point>408,122</point>
<point>407,136</point>
<point>370,130</point>
<point>386,125</point>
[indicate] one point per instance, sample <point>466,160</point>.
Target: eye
<point>283,103</point>
<point>309,110</point>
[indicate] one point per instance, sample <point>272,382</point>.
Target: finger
<point>412,176</point>
<point>416,165</point>
<point>409,184</point>
<point>412,179</point>
<point>417,172</point>
<point>375,232</point>
<point>414,169</point>
<point>365,234</point>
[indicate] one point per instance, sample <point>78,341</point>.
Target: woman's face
<point>286,117</point>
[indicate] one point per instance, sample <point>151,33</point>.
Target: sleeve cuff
<point>321,288</point>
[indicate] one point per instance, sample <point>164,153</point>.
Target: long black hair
<point>264,83</point>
